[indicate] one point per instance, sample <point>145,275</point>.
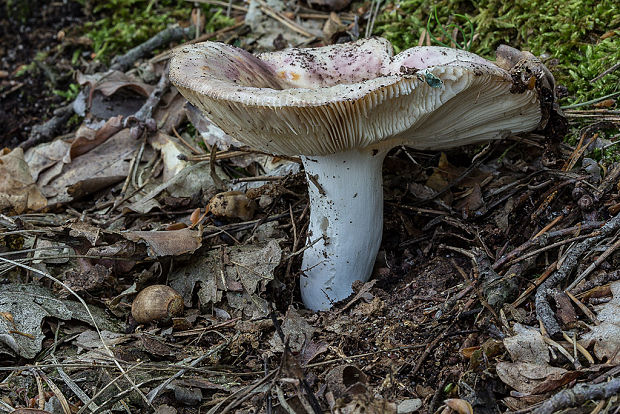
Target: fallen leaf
<point>111,93</point>
<point>110,161</point>
<point>29,305</point>
<point>530,373</point>
<point>529,378</point>
<point>45,156</point>
<point>297,332</point>
<point>167,243</point>
<point>87,139</point>
<point>527,345</point>
<point>18,191</point>
<point>606,335</point>
<point>240,273</point>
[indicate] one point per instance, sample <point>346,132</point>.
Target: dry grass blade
<point>283,19</point>
<point>79,298</point>
<point>374,12</point>
<point>243,394</point>
<point>90,404</point>
<point>57,392</point>
<point>155,391</point>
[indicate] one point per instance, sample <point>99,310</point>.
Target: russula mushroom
<point>342,108</point>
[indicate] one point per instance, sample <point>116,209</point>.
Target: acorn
<point>157,303</point>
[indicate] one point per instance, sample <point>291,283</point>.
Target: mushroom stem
<point>346,224</point>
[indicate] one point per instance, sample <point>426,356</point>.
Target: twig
<point>364,355</point>
<point>533,286</point>
<point>578,395</point>
<point>549,247</point>
<point>155,391</point>
<point>283,19</point>
<point>544,239</point>
<point>543,308</point>
<point>594,265</point>
<point>168,35</point>
<point>46,131</point>
<point>146,110</point>
<point>427,351</point>
<point>257,178</point>
<point>184,142</point>
<point>606,72</point>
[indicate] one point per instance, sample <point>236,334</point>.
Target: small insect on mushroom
<point>345,108</point>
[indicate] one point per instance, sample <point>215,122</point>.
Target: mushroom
<point>342,108</point>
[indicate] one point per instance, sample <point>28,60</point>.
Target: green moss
<point>568,34</point>
<point>70,93</point>
<point>128,23</point>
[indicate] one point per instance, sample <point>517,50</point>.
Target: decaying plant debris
<point>496,287</point>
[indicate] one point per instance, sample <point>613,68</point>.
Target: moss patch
<point>124,24</point>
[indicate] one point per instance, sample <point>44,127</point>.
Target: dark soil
<point>29,29</point>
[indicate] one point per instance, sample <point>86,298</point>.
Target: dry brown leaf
<point>240,273</point>
<point>530,373</point>
<point>167,243</point>
<point>18,191</point>
<point>109,162</point>
<point>606,336</point>
<point>297,332</point>
<point>527,345</point>
<point>44,156</point>
<point>529,378</point>
<point>87,138</point>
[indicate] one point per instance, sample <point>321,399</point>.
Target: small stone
<point>409,406</point>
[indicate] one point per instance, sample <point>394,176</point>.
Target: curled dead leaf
<point>176,226</point>
<point>195,217</point>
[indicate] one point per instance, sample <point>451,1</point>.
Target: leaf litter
<point>473,240</point>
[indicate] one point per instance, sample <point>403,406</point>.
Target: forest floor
<point>496,287</point>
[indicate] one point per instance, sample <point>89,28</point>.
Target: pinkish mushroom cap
<point>319,101</point>
<point>342,107</point>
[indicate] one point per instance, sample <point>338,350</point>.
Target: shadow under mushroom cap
<point>319,101</point>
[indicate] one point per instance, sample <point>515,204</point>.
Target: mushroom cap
<point>319,101</point>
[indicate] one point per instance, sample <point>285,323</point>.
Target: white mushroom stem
<point>346,224</point>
